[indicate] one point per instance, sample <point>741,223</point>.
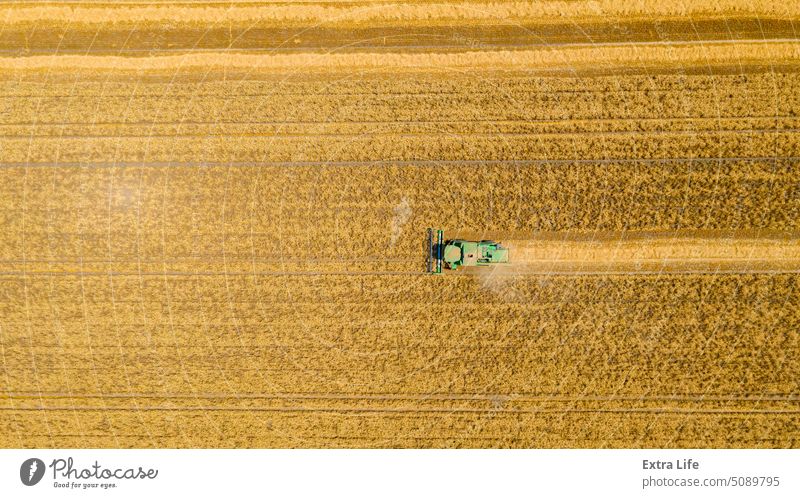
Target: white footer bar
<point>372,473</point>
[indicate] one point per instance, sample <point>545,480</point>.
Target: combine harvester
<point>456,253</point>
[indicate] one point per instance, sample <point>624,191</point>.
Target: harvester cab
<point>459,252</point>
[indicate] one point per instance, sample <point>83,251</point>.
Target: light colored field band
<point>387,11</point>
<point>597,56</point>
<point>630,253</point>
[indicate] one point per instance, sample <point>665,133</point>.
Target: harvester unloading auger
<point>456,253</point>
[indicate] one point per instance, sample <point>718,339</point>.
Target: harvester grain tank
<point>455,253</point>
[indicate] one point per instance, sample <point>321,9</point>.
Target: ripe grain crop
<point>213,223</point>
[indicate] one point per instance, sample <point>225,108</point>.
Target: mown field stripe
<point>678,54</point>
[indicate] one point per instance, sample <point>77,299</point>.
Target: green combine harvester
<point>456,253</point>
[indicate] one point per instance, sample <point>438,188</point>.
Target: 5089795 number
<point>745,481</point>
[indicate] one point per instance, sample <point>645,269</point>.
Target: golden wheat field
<point>213,217</point>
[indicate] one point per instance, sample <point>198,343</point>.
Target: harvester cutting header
<point>455,253</point>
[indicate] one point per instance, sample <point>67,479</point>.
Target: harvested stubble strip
<point>667,252</point>
<point>675,55</point>
<point>395,12</point>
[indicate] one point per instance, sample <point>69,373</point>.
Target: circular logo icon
<point>31,471</point>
